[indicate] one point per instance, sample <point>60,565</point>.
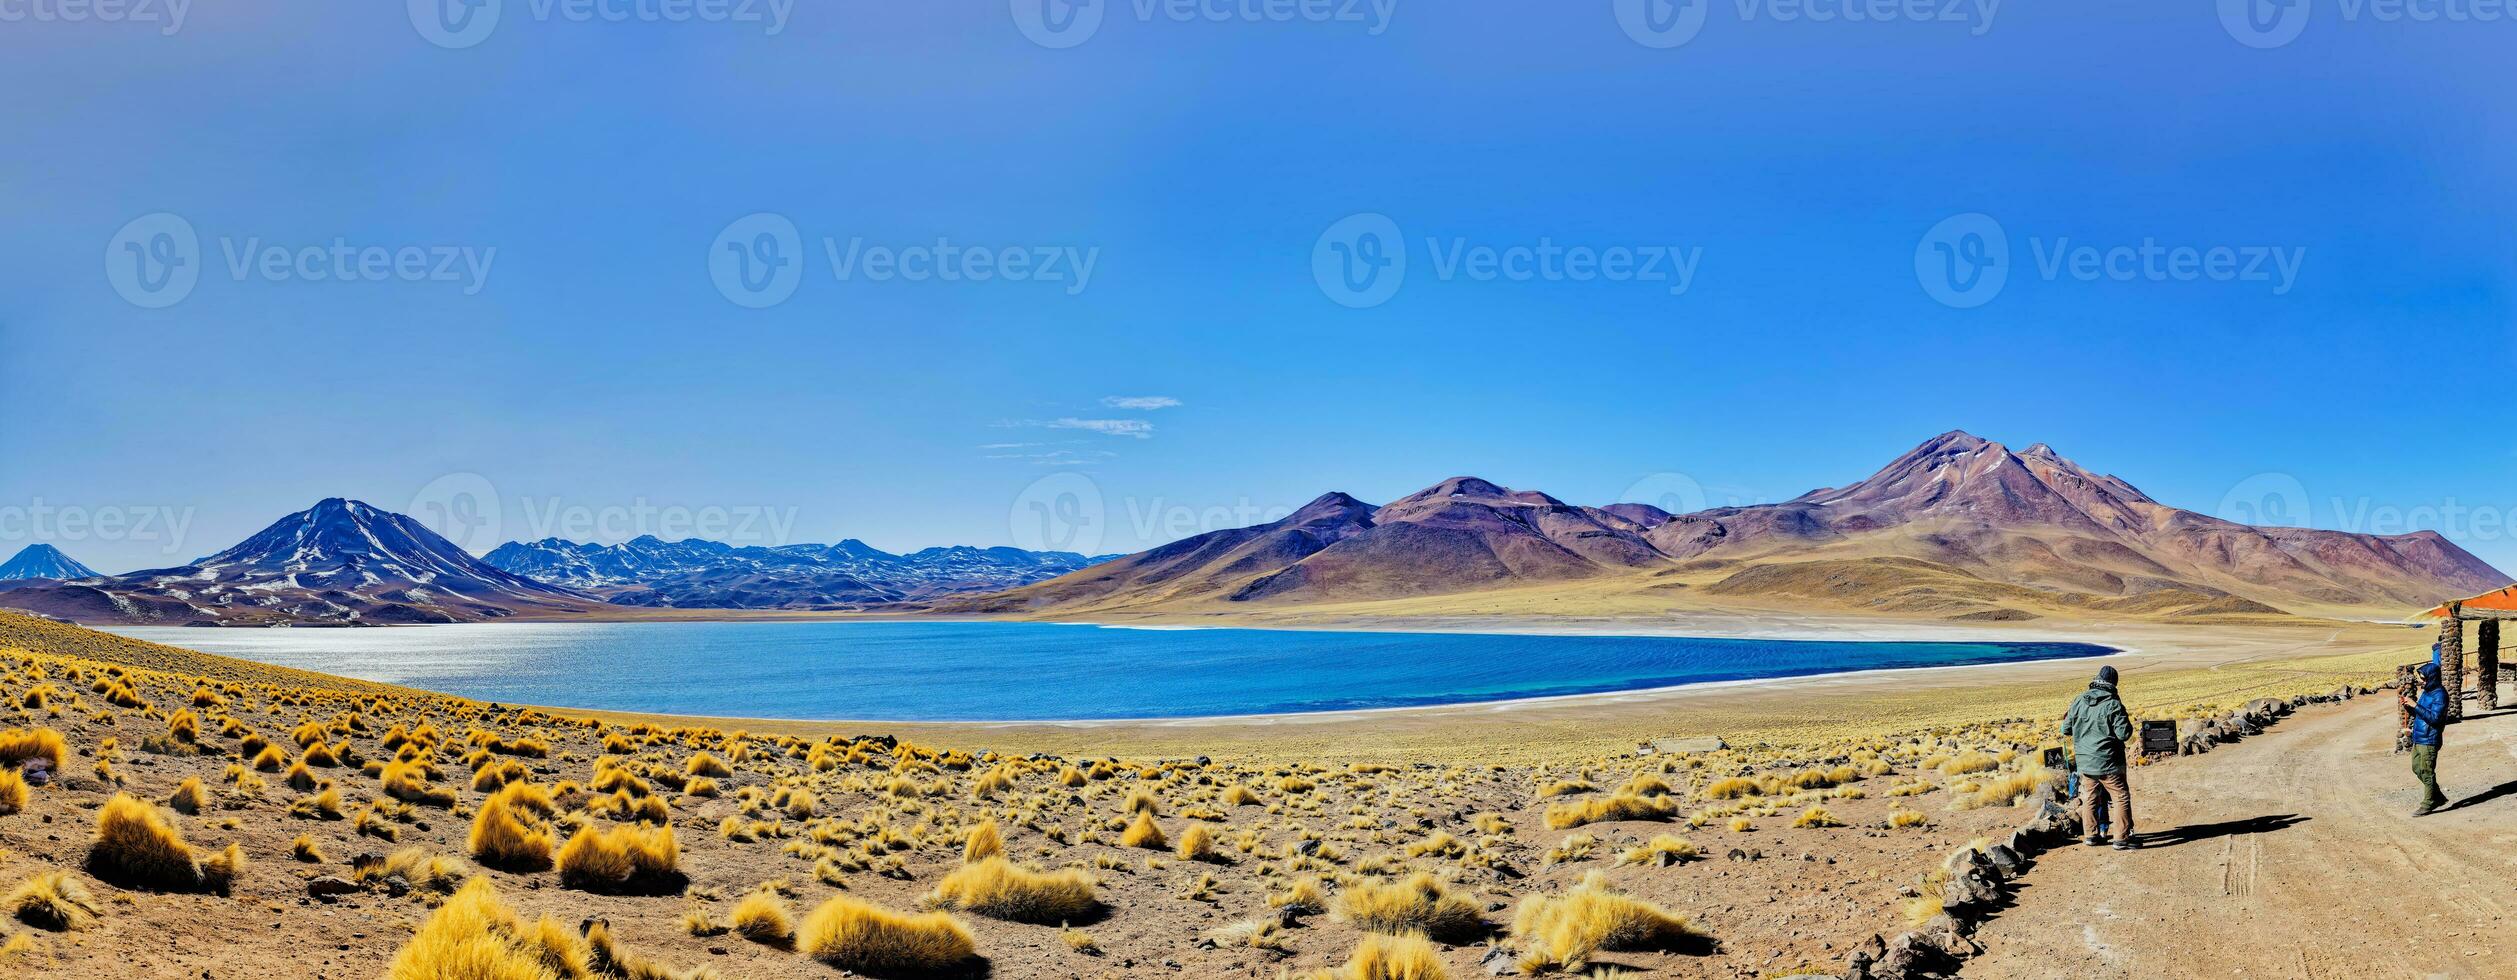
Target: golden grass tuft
<point>1816,816</point>
<point>625,858</point>
<point>1144,833</point>
<point>1661,851</point>
<point>509,829</point>
<point>53,900</point>
<point>1000,889</point>
<point>14,793</point>
<point>138,846</point>
<point>1416,904</point>
<point>1407,957</point>
<point>984,842</point>
<point>189,798</point>
<point>474,937</point>
<point>762,918</point>
<point>1562,816</point>
<point>1198,844</point>
<point>1567,930</point>
<point>20,744</point>
<point>854,935</point>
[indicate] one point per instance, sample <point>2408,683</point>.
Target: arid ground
<point>1288,849</point>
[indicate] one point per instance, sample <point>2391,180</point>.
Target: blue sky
<point>578,369</point>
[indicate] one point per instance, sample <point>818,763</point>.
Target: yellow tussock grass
<point>999,889</point>
<point>762,918</point>
<point>1144,833</point>
<point>53,900</point>
<point>854,935</point>
<point>629,857</point>
<point>1565,815</point>
<point>1416,903</point>
<point>1567,930</point>
<point>138,846</point>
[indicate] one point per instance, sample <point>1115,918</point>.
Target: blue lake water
<point>928,671</point>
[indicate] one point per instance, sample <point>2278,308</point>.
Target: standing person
<point>2098,727</point>
<point>2429,731</point>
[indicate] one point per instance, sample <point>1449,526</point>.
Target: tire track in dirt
<point>2290,854</point>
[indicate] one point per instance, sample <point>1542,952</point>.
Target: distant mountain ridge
<point>338,563</point>
<point>1960,527</point>
<point>699,574</point>
<point>43,561</point>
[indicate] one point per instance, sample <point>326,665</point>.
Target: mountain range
<point>1960,527</point>
<point>338,563</point>
<point>43,561</point>
<point>697,574</point>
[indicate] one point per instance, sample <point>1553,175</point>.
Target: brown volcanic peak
<point>1194,567</point>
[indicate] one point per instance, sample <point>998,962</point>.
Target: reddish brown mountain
<point>1959,526</point>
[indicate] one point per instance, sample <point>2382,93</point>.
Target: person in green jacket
<point>2099,728</point>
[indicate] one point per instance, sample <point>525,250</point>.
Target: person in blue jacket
<point>2429,731</point>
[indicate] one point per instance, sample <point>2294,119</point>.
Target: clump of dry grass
<point>510,829</point>
<point>1144,833</point>
<point>1661,851</point>
<point>1621,807</point>
<point>1901,819</point>
<point>138,846</point>
<point>1816,816</point>
<point>473,936</point>
<point>1567,930</point>
<point>626,858</point>
<point>1408,957</point>
<point>1000,889</point>
<point>53,900</point>
<point>306,848</point>
<point>189,798</point>
<point>1198,844</point>
<point>984,842</point>
<point>854,935</point>
<point>20,744</point>
<point>762,918</point>
<point>1416,904</point>
<point>2005,790</point>
<point>14,793</point>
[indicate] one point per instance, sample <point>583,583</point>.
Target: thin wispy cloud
<point>1131,428</point>
<point>1141,403</point>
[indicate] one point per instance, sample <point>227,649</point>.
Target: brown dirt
<point>2291,854</point>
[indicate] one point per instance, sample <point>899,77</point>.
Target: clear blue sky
<point>597,364</point>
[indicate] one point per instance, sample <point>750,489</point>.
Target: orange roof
<point>2502,599</point>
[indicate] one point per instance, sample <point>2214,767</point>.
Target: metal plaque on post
<point>2158,738</point>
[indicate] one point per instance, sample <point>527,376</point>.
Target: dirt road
<point>2291,854</point>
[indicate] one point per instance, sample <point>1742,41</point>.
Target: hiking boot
<point>2093,840</point>
<point>2124,845</point>
<point>2425,810</point>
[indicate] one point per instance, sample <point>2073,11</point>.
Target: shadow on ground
<point>2212,831</point>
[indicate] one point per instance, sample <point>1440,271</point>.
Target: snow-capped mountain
<point>340,563</point>
<point>697,574</point>
<point>43,561</point>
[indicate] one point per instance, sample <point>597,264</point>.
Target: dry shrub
<point>854,935</point>
<point>20,744</point>
<point>404,781</point>
<point>189,797</point>
<point>138,846</point>
<point>1620,807</point>
<point>626,858</point>
<point>984,842</point>
<point>1144,833</point>
<point>999,889</point>
<point>1393,958</point>
<point>2005,790</point>
<point>704,764</point>
<point>1816,816</point>
<point>1416,903</point>
<point>1732,788</point>
<point>1568,929</point>
<point>762,918</point>
<point>473,937</point>
<point>1198,844</point>
<point>511,831</point>
<point>1661,851</point>
<point>13,792</point>
<point>53,900</point>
